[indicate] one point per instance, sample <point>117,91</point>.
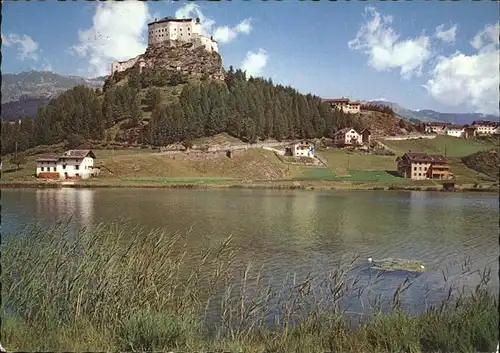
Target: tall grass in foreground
<point>107,289</point>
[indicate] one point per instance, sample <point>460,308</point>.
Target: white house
<point>347,137</point>
<point>301,149</point>
<point>484,127</point>
<point>73,164</point>
<point>455,130</point>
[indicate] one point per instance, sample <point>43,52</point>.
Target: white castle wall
<point>164,30</point>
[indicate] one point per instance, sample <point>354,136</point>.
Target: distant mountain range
<point>25,92</point>
<point>426,115</point>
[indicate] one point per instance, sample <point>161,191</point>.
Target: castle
<point>170,30</point>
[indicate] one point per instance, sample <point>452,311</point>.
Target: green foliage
<point>104,289</point>
<point>247,109</point>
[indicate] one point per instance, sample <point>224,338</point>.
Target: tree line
<point>249,109</point>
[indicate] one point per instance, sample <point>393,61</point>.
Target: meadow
<point>104,289</point>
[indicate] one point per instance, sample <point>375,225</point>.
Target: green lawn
<point>317,174</point>
<point>379,176</point>
<point>177,180</point>
<point>451,146</point>
<point>340,161</point>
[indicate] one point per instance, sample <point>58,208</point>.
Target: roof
<point>485,122</point>
<point>367,130</point>
<point>49,157</point>
<point>170,19</point>
<point>336,100</point>
<point>424,157</point>
<point>458,127</point>
<point>302,142</point>
<point>355,102</point>
<point>344,130</point>
<point>78,154</point>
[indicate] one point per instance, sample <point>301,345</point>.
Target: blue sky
<point>423,55</point>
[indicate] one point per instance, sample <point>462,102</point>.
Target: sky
<point>438,55</point>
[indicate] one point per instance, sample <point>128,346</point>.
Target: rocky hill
<point>183,59</point>
<point>486,162</point>
<point>23,93</point>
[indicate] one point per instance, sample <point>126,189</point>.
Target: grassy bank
<point>104,289</point>
<point>222,183</point>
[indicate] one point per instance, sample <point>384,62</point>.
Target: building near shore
<point>423,166</point>
<point>72,164</point>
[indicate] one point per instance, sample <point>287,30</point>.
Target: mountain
<point>426,115</point>
<point>24,92</point>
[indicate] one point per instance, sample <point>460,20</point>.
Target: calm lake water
<point>295,231</point>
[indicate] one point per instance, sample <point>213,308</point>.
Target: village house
<point>485,127</point>
<point>347,137</point>
<point>436,127</point>
<point>73,164</point>
<point>423,166</point>
<point>344,104</point>
<point>455,130</point>
<point>300,149</point>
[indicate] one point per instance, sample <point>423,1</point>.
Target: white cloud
<point>117,33</point>
<point>486,39</point>
<point>448,35</point>
<point>254,63</point>
<point>377,39</point>
<point>222,34</point>
<point>469,79</point>
<point>27,48</point>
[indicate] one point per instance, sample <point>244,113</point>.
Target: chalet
<point>455,130</point>
<point>423,166</point>
<point>46,166</point>
<point>344,104</point>
<point>347,137</point>
<point>435,127</point>
<point>485,127</point>
<point>300,149</point>
<point>73,164</point>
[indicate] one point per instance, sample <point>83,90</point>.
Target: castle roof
<point>172,19</point>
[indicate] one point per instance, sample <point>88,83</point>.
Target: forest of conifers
<point>249,109</point>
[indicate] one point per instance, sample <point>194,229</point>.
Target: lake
<point>296,231</point>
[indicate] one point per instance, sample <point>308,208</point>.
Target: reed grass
<point>107,289</point>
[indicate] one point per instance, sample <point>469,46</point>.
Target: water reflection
<point>64,203</point>
<point>300,232</point>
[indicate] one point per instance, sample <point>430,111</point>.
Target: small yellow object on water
<point>393,263</point>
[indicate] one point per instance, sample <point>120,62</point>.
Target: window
<point>414,168</point>
<point>419,174</point>
<point>64,166</point>
<point>77,167</point>
<point>41,169</point>
<point>419,168</point>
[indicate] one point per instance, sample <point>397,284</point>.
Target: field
<point>445,145</point>
<point>99,291</point>
<point>142,166</point>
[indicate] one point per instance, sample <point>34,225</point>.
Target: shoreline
<point>264,184</point>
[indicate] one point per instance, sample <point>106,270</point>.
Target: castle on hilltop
<point>170,31</point>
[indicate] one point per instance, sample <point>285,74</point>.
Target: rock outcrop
<point>185,58</point>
